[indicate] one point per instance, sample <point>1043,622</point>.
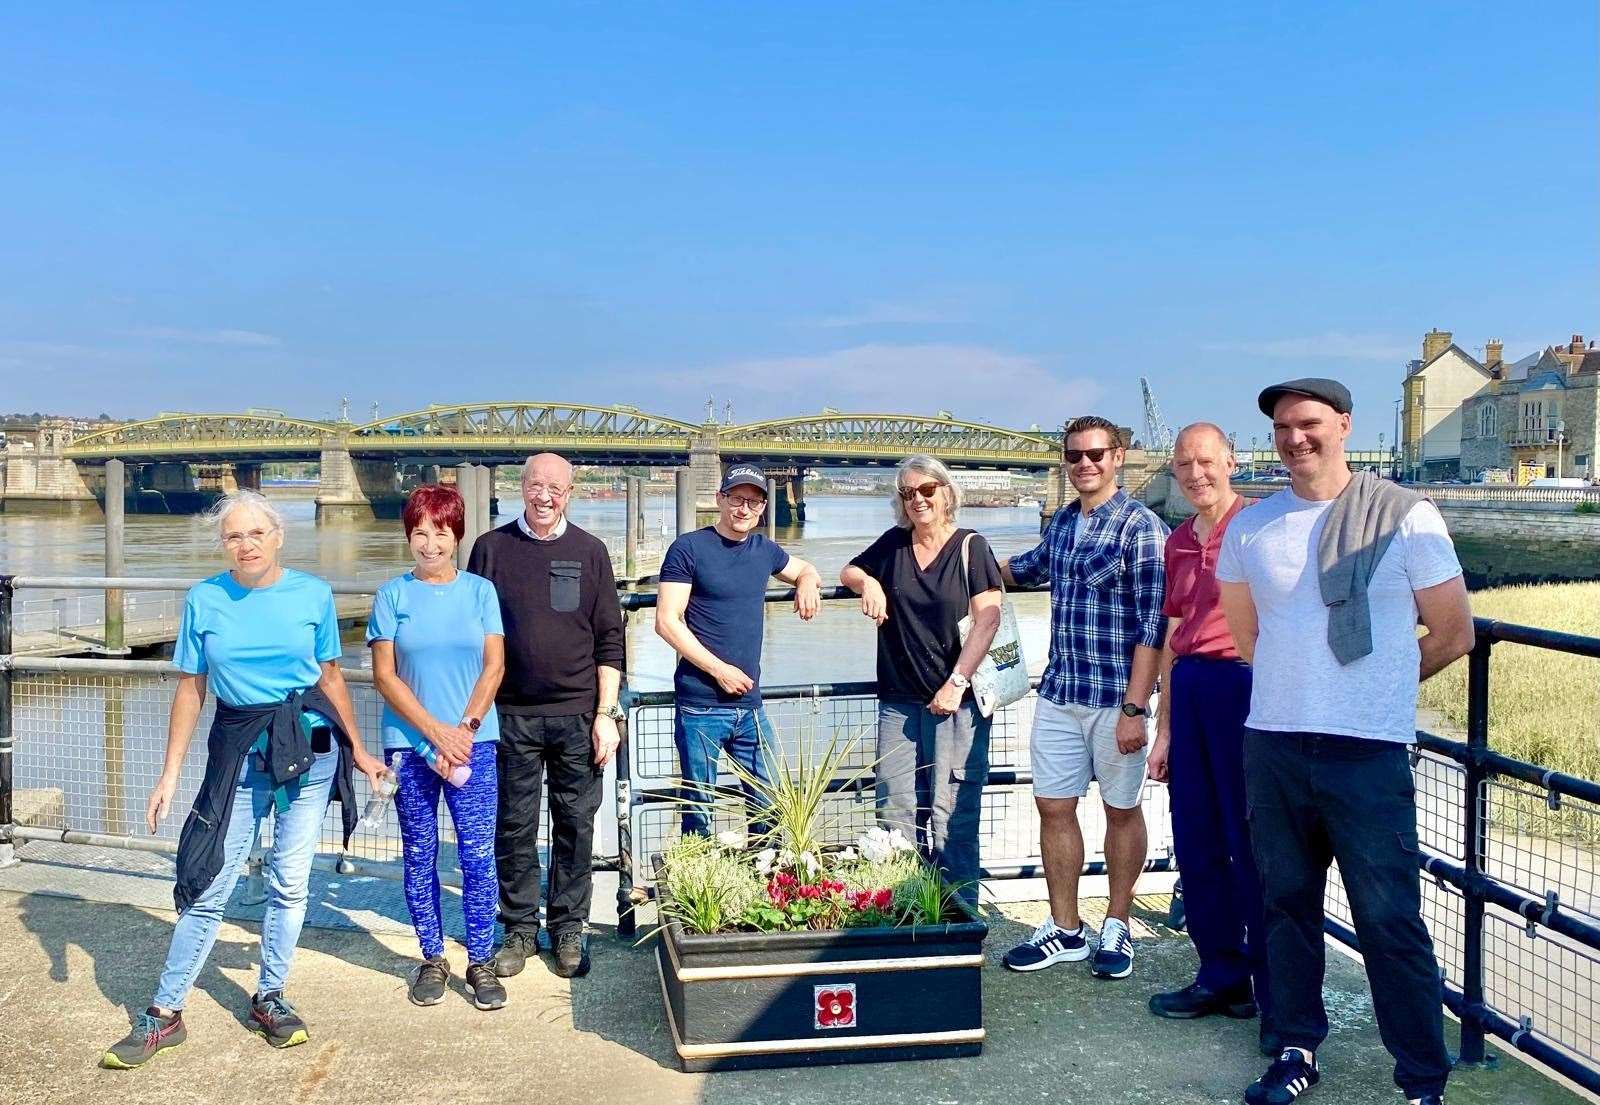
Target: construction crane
<point>1157,436</point>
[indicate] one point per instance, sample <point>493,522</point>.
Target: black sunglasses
<point>1095,455</point>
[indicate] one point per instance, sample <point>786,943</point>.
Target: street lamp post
<point>1394,467</point>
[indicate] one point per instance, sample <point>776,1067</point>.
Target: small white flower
<point>765,859</point>
<point>874,845</point>
<point>898,842</point>
<point>730,839</point>
<point>809,862</point>
<point>849,855</point>
<point>786,859</point>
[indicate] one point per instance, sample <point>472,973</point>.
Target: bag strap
<point>966,572</point>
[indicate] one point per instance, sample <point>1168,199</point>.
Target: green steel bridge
<point>501,433</point>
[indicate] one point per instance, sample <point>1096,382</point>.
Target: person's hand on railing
<point>733,681</point>
<point>454,743</point>
<point>808,596</point>
<point>873,602</point>
<point>160,803</point>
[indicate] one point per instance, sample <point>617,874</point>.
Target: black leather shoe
<point>520,946</point>
<point>572,956</point>
<point>1196,1000</point>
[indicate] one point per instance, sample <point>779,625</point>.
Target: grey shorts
<point>1072,745</point>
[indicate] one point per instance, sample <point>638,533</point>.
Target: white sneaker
<point>1050,944</point>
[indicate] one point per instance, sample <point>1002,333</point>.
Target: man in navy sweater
<point>557,707</point>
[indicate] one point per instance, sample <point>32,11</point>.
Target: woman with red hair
<point>438,653</point>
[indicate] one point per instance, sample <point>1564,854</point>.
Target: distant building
<point>1435,388</point>
<point>1538,417</point>
<point>983,481</point>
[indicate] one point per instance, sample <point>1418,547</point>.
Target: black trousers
<point>532,749</point>
<point>1315,798</point>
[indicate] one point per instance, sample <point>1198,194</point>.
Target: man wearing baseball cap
<point>710,609</point>
<point>1323,585</point>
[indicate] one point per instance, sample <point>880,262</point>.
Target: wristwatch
<point>959,681</point>
<point>1129,709</point>
<point>472,723</point>
<point>613,711</point>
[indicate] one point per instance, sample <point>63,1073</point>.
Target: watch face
<point>1130,710</point>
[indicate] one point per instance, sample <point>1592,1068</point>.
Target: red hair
<point>443,504</point>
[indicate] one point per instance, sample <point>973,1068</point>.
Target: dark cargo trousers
<point>1316,798</point>
<point>531,750</point>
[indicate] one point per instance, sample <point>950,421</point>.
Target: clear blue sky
<point>1006,211</point>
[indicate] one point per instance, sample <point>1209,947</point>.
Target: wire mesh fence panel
<point>1542,980</point>
<point>90,748</point>
<point>1542,845</point>
<point>1008,821</point>
<point>1440,830</point>
<point>1441,818</point>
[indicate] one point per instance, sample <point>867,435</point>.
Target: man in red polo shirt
<point>1199,748</point>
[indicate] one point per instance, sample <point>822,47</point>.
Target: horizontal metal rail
<point>162,583</point>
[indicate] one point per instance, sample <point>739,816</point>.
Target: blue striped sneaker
<point>1115,957</point>
<point>1291,1074</point>
<point>1050,944</point>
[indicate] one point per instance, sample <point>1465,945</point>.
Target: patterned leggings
<point>472,809</point>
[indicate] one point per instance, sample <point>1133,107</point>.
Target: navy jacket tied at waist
<point>288,757</point>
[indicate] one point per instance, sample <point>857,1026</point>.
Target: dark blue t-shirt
<point>727,580</point>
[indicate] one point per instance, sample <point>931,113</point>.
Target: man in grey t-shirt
<point>1327,776</point>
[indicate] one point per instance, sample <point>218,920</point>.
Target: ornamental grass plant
<point>787,877</point>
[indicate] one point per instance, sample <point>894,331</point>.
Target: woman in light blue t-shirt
<point>438,654</point>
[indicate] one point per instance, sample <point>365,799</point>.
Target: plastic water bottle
<point>382,794</point>
<point>457,777</point>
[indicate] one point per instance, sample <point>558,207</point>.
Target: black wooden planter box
<point>789,999</point>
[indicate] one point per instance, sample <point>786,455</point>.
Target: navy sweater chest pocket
<point>565,585</point>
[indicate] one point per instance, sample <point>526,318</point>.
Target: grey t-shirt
<point>1299,686</point>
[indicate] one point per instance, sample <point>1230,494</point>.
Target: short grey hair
<point>243,497</point>
<point>928,466</point>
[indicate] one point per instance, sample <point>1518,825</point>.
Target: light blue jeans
<point>294,841</point>
<point>701,733</point>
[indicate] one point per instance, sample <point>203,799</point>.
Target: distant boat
<point>1029,501</point>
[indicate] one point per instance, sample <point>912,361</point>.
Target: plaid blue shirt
<point>1106,590</point>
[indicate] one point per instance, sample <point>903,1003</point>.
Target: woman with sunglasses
<point>265,640</point>
<point>917,582</point>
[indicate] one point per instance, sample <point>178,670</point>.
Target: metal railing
<point>1509,866</point>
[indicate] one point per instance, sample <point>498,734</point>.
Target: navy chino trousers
<point>1210,700</point>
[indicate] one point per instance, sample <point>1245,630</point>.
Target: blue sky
<point>1006,211</point>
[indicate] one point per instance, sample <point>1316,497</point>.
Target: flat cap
<point>1331,392</point>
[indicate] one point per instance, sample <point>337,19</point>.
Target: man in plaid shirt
<point>1102,557</point>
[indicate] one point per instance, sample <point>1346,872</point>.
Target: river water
<point>837,645</point>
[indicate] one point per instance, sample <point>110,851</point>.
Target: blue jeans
<point>294,841</point>
<point>701,733</point>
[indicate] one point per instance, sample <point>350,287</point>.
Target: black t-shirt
<point>919,645</point>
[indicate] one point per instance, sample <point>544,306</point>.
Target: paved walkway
<point>71,968</point>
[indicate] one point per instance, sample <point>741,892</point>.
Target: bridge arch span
<point>201,436</point>
<point>879,438</point>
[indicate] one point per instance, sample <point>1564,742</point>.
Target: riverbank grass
<point>1544,707</point>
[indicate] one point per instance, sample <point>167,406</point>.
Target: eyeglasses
<point>926,490</point>
<point>554,490</point>
<point>740,501</point>
<point>252,537</point>
<point>1094,455</point>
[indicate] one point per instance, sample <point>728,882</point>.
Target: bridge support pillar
<point>38,479</point>
<point>789,501</point>
<point>705,462</point>
<point>355,488</point>
<point>247,476</point>
<point>1058,493</point>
